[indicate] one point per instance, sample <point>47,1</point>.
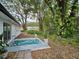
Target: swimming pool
<point>27,43</point>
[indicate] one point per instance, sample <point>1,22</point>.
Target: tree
<point>23,8</point>
<point>64,16</point>
<point>38,9</point>
<point>52,14</point>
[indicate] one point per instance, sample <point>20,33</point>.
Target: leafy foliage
<point>54,16</point>
<point>34,32</point>
<point>64,16</point>
<point>2,45</point>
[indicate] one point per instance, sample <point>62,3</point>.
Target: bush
<point>65,41</point>
<point>34,32</point>
<point>2,45</point>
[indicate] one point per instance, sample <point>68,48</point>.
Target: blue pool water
<point>25,42</point>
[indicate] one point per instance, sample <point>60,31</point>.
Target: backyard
<point>58,50</point>
<point>39,29</point>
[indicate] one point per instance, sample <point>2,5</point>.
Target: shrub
<point>34,32</point>
<point>2,45</point>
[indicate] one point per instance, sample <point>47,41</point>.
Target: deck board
<point>20,55</point>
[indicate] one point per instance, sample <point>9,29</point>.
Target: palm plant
<point>2,45</point>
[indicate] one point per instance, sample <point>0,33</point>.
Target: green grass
<point>34,32</point>
<point>65,41</point>
<point>32,24</point>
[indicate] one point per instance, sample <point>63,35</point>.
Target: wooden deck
<point>23,55</point>
<point>20,55</point>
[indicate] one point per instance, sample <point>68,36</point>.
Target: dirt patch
<point>57,51</point>
<point>24,35</point>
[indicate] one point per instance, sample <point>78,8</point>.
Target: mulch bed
<point>24,35</point>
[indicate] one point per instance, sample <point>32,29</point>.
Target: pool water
<point>25,42</point>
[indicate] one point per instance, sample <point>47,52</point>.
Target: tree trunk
<point>40,21</point>
<point>40,24</point>
<point>24,26</point>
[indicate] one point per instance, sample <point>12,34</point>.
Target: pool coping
<point>32,47</point>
